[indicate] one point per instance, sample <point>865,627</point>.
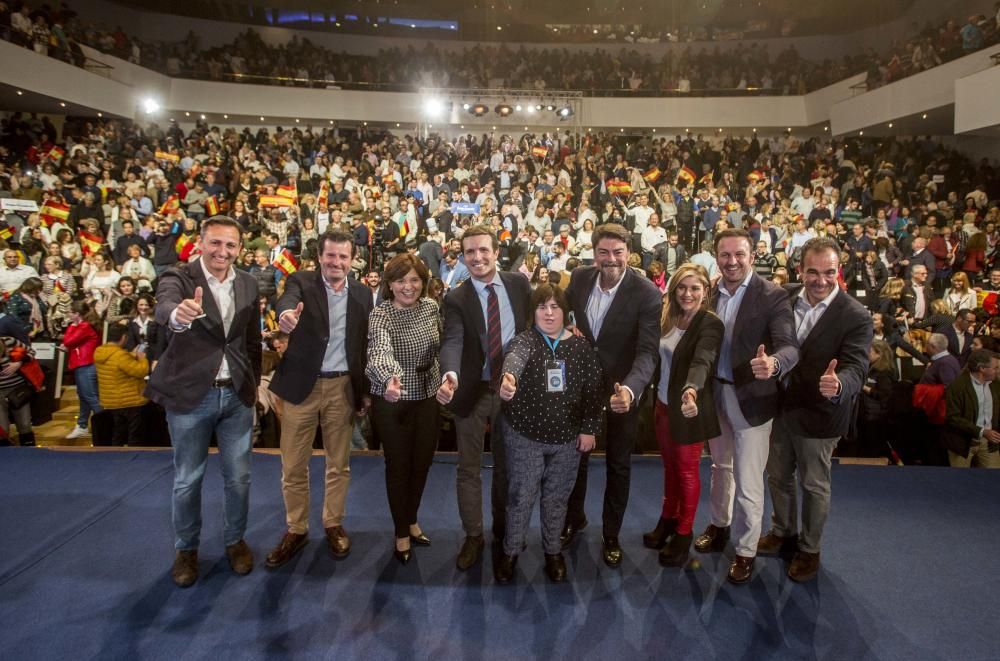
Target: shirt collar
<point>329,287</point>
<point>725,292</point>
<point>230,275</point>
<point>613,290</point>
<point>481,286</point>
<point>825,303</point>
<point>939,355</point>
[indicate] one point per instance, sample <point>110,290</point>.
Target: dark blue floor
<point>910,571</point>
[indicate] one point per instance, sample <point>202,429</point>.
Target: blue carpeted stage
<point>910,572</point>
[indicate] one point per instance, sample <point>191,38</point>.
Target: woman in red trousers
<point>684,417</point>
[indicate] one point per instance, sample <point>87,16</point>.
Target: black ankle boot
<point>675,553</point>
<point>657,537</point>
<point>26,440</point>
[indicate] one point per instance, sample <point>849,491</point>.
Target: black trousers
<point>620,434</point>
<point>127,425</point>
<point>409,434</point>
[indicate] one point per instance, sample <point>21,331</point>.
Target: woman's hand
<point>689,403</point>
<point>585,442</point>
<point>394,390</point>
<point>508,387</point>
<point>11,368</point>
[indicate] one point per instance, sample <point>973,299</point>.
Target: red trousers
<point>681,481</point>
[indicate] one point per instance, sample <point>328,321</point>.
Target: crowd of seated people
<point>120,203</point>
<point>744,68</point>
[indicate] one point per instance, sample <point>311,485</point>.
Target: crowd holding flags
<point>53,211</point>
<point>539,151</point>
<point>90,243</point>
<point>651,175</point>
<point>687,174</point>
<point>619,187</point>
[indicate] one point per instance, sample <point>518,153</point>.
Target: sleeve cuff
<point>177,327</point>
<point>630,393</point>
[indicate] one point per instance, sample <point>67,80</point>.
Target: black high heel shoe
<point>402,556</point>
<point>420,540</point>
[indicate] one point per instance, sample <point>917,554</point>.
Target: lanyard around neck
<point>552,344</point>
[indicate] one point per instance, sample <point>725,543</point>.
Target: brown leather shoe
<point>339,542</point>
<point>185,570</point>
<point>286,549</point>
<point>740,570</point>
<point>713,540</point>
<point>471,552</point>
<point>240,558</point>
<point>804,567</point>
<point>772,544</point>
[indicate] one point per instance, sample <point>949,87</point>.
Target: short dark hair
<point>545,291</point>
<point>221,221</point>
<point>335,236</point>
<point>481,230</point>
<point>398,267</point>
<point>979,359</point>
<point>819,244</point>
<point>611,231</point>
<point>116,332</point>
<point>733,233</point>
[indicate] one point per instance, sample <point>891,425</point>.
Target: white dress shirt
<point>807,316</point>
<point>223,294</point>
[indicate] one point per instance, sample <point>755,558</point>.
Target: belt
<point>725,382</point>
<point>222,383</point>
<point>333,375</point>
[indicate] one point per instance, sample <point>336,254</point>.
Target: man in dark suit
<point>207,382</point>
<point>670,253</point>
<point>960,335</point>
<point>618,311</point>
<point>759,346</point>
<point>917,295</point>
<point>480,318</point>
<point>835,333</point>
<point>920,255</point>
<point>320,379</point>
<point>972,413</point>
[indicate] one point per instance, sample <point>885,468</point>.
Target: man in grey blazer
<point>207,382</point>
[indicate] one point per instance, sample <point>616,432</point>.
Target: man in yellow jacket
<point>121,379</point>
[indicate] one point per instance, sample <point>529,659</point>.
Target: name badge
<point>555,376</point>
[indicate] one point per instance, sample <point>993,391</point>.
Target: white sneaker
<point>78,432</point>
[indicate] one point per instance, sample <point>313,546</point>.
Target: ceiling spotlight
<point>435,107</point>
<point>203,117</point>
<point>499,27</point>
<point>62,103</point>
<point>503,109</point>
<point>890,124</point>
<point>861,132</point>
<point>532,108</point>
<point>466,106</point>
<point>479,109</point>
<point>595,30</point>
<point>100,114</point>
<point>564,112</point>
<point>20,93</point>
<point>296,119</point>
<point>550,107</point>
<point>720,130</point>
<point>187,114</point>
<point>262,118</point>
<point>924,116</point>
<point>826,128</point>
<point>225,117</point>
<point>518,107</point>
<point>150,105</point>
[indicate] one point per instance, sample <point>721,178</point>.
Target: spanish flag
<point>181,243</point>
<point>539,151</point>
<point>405,227</point>
<point>52,212</point>
<point>167,156</point>
<point>285,262</point>
<point>172,205</point>
<point>6,232</point>
<point>388,179</point>
<point>90,243</point>
<point>212,206</point>
<point>323,196</point>
<point>651,175</point>
<point>755,176</point>
<point>290,192</point>
<point>619,187</point>
<point>56,154</point>
<point>987,300</point>
<point>687,174</point>
<point>708,179</point>
<point>274,201</point>
<point>184,254</point>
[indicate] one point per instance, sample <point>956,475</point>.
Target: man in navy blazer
<point>960,335</point>
<point>468,387</point>
<point>820,402</point>
<point>321,378</point>
<point>207,382</point>
<point>618,311</point>
<point>758,347</point>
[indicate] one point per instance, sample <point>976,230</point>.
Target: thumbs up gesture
<point>508,387</point>
<point>394,390</point>
<point>290,318</point>
<point>762,365</point>
<point>689,403</point>
<point>447,389</point>
<point>190,308</point>
<point>621,400</point>
<point>829,384</point>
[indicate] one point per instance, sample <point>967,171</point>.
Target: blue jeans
<point>86,390</point>
<point>220,411</point>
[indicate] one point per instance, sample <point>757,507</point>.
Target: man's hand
<point>290,319</point>
<point>189,309</point>
<point>621,401</point>
<point>508,387</point>
<point>447,389</point>
<point>585,442</point>
<point>11,368</point>
<point>689,403</point>
<point>394,390</point>
<point>366,404</point>
<point>991,435</point>
<point>829,384</point>
<point>762,365</point>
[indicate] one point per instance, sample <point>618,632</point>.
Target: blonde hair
<point>671,311</point>
<point>893,289</point>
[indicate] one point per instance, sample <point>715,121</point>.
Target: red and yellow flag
<point>182,241</point>
<point>56,153</point>
<point>539,151</point>
<point>212,206</point>
<point>172,205</point>
<point>619,187</point>
<point>184,254</point>
<point>52,212</point>
<point>167,156</point>
<point>285,262</point>
<point>90,243</point>
<point>652,174</point>
<point>6,232</point>
<point>708,179</point>
<point>274,201</point>
<point>323,196</point>
<point>755,176</point>
<point>687,174</point>
<point>290,192</point>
